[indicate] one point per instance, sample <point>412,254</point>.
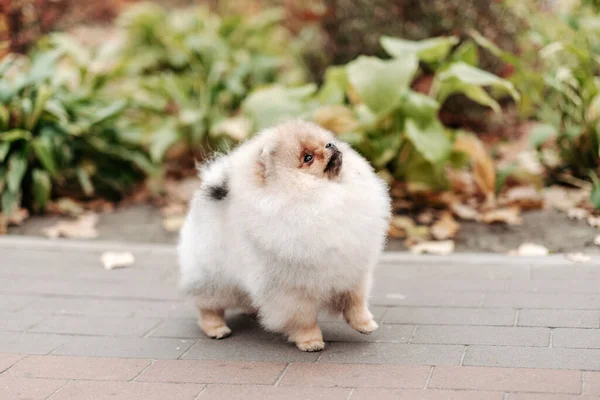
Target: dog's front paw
<point>366,327</point>
<point>216,332</point>
<point>311,345</point>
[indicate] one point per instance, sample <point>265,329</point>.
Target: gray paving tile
<point>30,343</point>
<point>555,286</point>
<point>432,284</point>
<point>18,321</point>
<point>127,347</point>
<point>165,309</point>
<point>341,332</point>
<point>575,301</point>
<point>450,316</point>
<point>576,338</point>
<point>484,335</point>
<point>429,299</point>
<point>443,270</point>
<point>559,318</point>
<point>178,328</point>
<point>392,353</point>
<point>241,348</point>
<point>567,272</point>
<point>84,307</point>
<point>120,290</point>
<point>14,302</point>
<point>102,326</point>
<point>533,357</point>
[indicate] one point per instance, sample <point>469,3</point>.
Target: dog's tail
<point>214,176</point>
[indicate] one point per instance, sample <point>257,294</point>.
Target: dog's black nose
<point>330,146</point>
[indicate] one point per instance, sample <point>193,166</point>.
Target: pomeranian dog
<point>288,224</point>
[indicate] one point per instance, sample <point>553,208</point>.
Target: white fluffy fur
<point>286,247</point>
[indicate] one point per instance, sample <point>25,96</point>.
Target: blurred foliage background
<point>454,102</point>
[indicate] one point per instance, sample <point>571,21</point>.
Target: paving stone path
<point>468,326</point>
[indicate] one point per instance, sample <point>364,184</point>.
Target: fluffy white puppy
<point>289,223</point>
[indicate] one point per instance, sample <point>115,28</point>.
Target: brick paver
<point>460,327</point>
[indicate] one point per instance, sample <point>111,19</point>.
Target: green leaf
<point>44,152</point>
<point>380,84</point>
<point>85,181</point>
<point>17,166</point>
<point>430,140</point>
<point>42,66</point>
<point>418,105</point>
<point>595,196</point>
<point>335,86</point>
<point>9,201</point>
<point>468,80</point>
<point>541,133</point>
<point>43,94</point>
<point>4,149</point>
<point>108,112</point>
<point>503,174</point>
<point>4,117</point>
<point>467,53</point>
<point>429,51</point>
<point>15,134</point>
<point>162,140</point>
<point>503,55</point>
<point>42,188</point>
<point>269,106</point>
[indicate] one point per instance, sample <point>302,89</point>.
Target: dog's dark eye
<point>308,158</point>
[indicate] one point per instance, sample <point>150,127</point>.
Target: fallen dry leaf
<point>461,181</point>
<point>441,248</point>
<point>18,216</point>
<point>182,191</point>
<point>465,212</point>
<point>66,206</point>
<point>594,221</point>
<point>509,215</point>
<point>484,171</point>
<point>173,223</point>
<point>112,260</point>
<point>84,227</point>
<point>564,199</point>
<point>524,197</point>
<point>396,233</point>
<point>597,240</point>
<point>578,257</point>
<point>532,249</point>
<point>426,217</point>
<point>577,213</point>
<point>336,118</point>
<point>445,228</point>
<point>173,209</point>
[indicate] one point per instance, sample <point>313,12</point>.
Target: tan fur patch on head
<point>301,147</point>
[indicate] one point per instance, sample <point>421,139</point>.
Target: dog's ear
<point>265,162</point>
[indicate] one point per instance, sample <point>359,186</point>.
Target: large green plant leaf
<point>42,147</point>
<point>335,86</point>
<point>85,181</point>
<point>429,51</point>
<point>14,134</point>
<point>380,84</point>
<point>42,188</point>
<point>269,106</point>
<point>419,106</point>
<point>429,139</point>
<point>17,166</point>
<point>468,80</point>
<point>4,149</point>
<point>162,139</point>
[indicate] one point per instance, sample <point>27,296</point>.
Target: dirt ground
<point>143,223</point>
